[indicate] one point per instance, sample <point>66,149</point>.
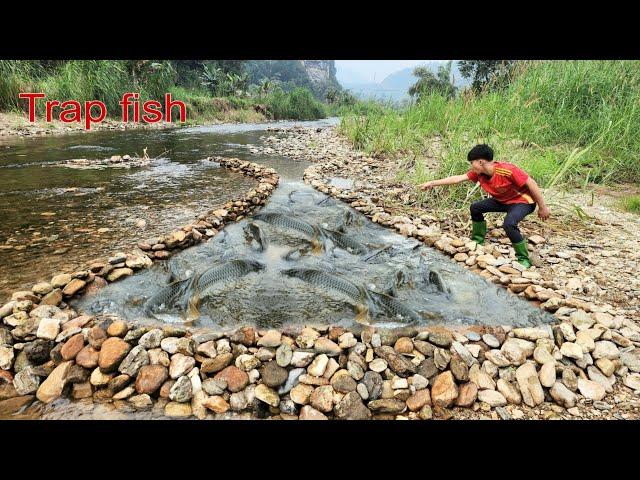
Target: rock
<point>444,390</point>
<point>236,379</point>
<point>48,328</point>
<point>180,365</point>
<point>217,404</point>
<point>531,334</point>
<point>271,339</point>
<point>418,400</point>
<point>467,394</point>
<point>52,387</point>
<point>6,357</point>
<point>324,345</point>
<point>343,382</point>
<point>151,339</point>
<point>52,298</point>
<point>378,365</point>
<point>247,362</point>
<point>403,345</point>
<point>347,340</point>
<point>547,374</point>
<point>632,381</point>
<point>491,397</point>
<point>99,379</point>
<point>541,355</point>
<point>284,355</point>
<point>605,349</point>
<point>60,280</point>
<point>419,382</point>
<point>26,382</point>
<point>181,391</point>
<point>137,358</point>
<point>267,395</point>
<point>38,351</point>
<point>292,380</point>
<point>387,405</point>
<point>72,347</point>
<point>318,366</point>
<point>141,402</point>
<point>491,340</point>
<point>150,378</point>
<point>606,366</point>
<point>87,357</point>
<point>301,393</point>
<point>350,407</point>
<point>82,390</point>
<point>73,287</point>
<point>562,395</point>
<point>119,382</point>
<point>397,363</point>
<point>581,320</point>
<point>516,351</point>
<point>42,288</point>
<point>509,391</point>
<point>273,375</point>
<point>213,365</point>
<point>322,398</point>
<point>373,383</point>
<point>12,405</point>
<point>112,352</point>
<point>530,388</point>
<point>631,360</point>
<point>177,410</point>
<point>214,387</point>
<point>301,359</point>
<point>309,413</point>
<point>96,337</point>
<point>441,339</point>
<point>124,393</point>
<point>570,380</point>
<point>590,389</point>
<point>459,368</point>
<point>118,273</point>
<point>481,378</point>
<point>595,375</point>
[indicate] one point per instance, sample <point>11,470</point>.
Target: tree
<point>486,73</point>
<point>428,82</point>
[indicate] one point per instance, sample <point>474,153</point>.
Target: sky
<point>371,70</point>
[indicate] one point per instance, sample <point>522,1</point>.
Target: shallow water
<point>424,280</point>
<point>53,213</point>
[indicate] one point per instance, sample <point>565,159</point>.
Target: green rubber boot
<point>522,254</point>
<point>479,230</point>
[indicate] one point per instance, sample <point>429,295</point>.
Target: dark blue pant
<point>515,212</point>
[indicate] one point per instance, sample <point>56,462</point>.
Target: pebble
<point>530,388</point>
<point>590,389</point>
<point>492,397</point>
<point>444,390</point>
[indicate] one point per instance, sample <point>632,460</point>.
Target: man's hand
<point>544,212</point>
<point>427,185</point>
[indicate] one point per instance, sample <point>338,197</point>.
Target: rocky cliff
<point>322,74</point>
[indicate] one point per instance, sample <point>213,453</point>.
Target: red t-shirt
<point>506,185</point>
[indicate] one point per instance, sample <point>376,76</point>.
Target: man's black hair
<point>483,151</point>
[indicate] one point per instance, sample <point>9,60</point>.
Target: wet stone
<point>150,378</point>
<point>273,375</point>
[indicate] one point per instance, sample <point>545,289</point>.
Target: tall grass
<point>107,80</point>
<point>563,121</point>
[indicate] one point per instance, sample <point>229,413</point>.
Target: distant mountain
<point>395,87</point>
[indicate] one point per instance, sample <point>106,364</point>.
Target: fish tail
<point>363,314</point>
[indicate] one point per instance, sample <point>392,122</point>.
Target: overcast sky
<point>372,70</point>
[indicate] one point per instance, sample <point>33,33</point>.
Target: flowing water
<point>54,218</point>
<point>422,284</point>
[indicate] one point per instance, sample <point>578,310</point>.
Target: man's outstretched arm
<point>543,210</point>
<point>444,181</point>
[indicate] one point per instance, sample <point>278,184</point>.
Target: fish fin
<point>192,311</point>
<point>362,315</point>
<point>318,247</point>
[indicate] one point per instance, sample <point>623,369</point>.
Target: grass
<point>565,122</point>
<point>631,204</point>
<point>107,80</point>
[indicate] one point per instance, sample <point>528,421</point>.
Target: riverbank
<point>18,125</point>
<point>586,366</point>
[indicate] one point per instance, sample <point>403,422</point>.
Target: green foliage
<point>566,122</point>
<point>299,104</point>
<point>428,82</point>
<point>631,204</point>
<point>486,73</point>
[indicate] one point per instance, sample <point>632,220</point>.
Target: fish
<point>231,270</point>
<point>377,252</point>
<point>167,297</point>
<point>345,242</point>
<point>178,270</point>
<point>186,294</point>
<point>355,293</point>
<point>394,308</point>
<point>254,232</point>
<point>436,279</point>
<point>289,222</point>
